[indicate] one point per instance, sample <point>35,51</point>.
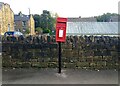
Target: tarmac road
<point>50,76</point>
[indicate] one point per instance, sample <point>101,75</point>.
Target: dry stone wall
<point>88,52</point>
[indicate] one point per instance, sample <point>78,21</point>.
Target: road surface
<point>50,76</point>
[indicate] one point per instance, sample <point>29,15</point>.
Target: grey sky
<point>65,8</point>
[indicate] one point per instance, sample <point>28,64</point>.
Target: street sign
<point>61,29</point>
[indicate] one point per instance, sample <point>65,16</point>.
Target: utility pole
<point>29,11</point>
<point>30,20</point>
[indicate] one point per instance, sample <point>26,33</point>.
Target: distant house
<point>114,19</point>
<point>6,18</point>
<point>24,22</point>
<point>89,19</point>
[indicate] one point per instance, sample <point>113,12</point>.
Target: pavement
<point>0,76</point>
<point>50,76</point>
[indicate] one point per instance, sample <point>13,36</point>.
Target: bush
<point>46,31</point>
<point>27,31</point>
<point>39,30</point>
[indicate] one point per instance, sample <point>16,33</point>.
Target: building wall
<point>31,25</point>
<point>19,26</point>
<point>6,18</point>
<point>0,20</point>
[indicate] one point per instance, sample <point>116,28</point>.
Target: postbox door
<point>61,29</point>
<point>61,34</point>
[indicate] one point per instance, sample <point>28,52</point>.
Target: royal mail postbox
<point>61,24</point>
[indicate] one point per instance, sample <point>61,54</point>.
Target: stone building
<point>24,23</point>
<point>6,18</point>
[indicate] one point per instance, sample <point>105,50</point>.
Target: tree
<point>37,20</point>
<point>39,30</point>
<point>46,20</point>
<point>27,31</point>
<point>105,17</point>
<point>46,31</point>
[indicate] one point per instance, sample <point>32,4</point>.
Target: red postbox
<point>61,29</point>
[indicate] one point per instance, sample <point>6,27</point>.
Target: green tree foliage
<point>45,21</point>
<point>27,31</point>
<point>105,17</point>
<point>37,20</point>
<point>46,31</point>
<point>39,30</point>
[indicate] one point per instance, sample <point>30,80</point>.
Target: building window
<point>8,27</point>
<point>23,23</point>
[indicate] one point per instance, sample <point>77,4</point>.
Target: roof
<point>92,28</point>
<point>21,17</point>
<point>89,19</point>
<point>4,4</point>
<point>1,5</point>
<point>114,18</point>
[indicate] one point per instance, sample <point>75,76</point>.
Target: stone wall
<point>31,25</point>
<point>88,52</point>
